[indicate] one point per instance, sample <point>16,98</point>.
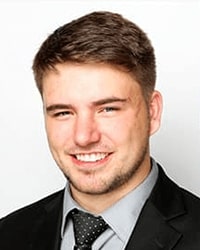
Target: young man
<point>96,76</point>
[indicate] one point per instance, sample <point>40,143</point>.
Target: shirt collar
<point>122,216</point>
<point>68,205</point>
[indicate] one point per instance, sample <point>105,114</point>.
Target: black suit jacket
<point>170,219</point>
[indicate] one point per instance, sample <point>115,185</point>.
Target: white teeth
<point>91,157</point>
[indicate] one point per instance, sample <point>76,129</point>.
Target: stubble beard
<point>120,180</point>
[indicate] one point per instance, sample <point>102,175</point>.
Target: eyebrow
<point>100,102</point>
<point>53,107</point>
<point>108,100</point>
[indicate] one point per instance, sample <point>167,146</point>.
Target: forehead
<point>83,81</point>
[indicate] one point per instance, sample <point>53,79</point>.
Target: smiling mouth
<point>93,157</point>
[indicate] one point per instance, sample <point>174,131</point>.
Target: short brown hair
<point>99,37</point>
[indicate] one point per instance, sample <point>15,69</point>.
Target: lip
<point>91,164</point>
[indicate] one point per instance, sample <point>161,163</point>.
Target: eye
<point>62,114</point>
<point>109,109</point>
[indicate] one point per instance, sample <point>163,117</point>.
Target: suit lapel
<point>45,233</point>
<point>152,232</point>
<point>154,229</point>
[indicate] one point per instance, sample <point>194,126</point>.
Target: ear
<point>155,111</point>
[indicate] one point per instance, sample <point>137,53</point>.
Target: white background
<point>27,171</point>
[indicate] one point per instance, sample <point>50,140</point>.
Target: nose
<point>86,130</point>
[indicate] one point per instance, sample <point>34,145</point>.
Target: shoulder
<point>189,223</point>
<point>177,209</point>
<point>25,227</point>
<point>30,212</point>
<point>188,197</point>
<point>191,202</point>
<point>170,198</point>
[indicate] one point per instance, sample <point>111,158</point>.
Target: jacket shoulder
<point>26,215</point>
<point>179,208</point>
<point>32,224</point>
<point>166,192</point>
<point>191,203</point>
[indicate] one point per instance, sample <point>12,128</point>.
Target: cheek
<point>57,134</point>
<point>120,131</point>
<point>132,132</point>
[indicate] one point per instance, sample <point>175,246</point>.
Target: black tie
<point>87,228</point>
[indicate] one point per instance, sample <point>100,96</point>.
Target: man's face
<point>98,126</point>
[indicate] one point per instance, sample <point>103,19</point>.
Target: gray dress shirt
<point>121,217</point>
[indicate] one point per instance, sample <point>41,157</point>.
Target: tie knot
<point>87,228</point>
